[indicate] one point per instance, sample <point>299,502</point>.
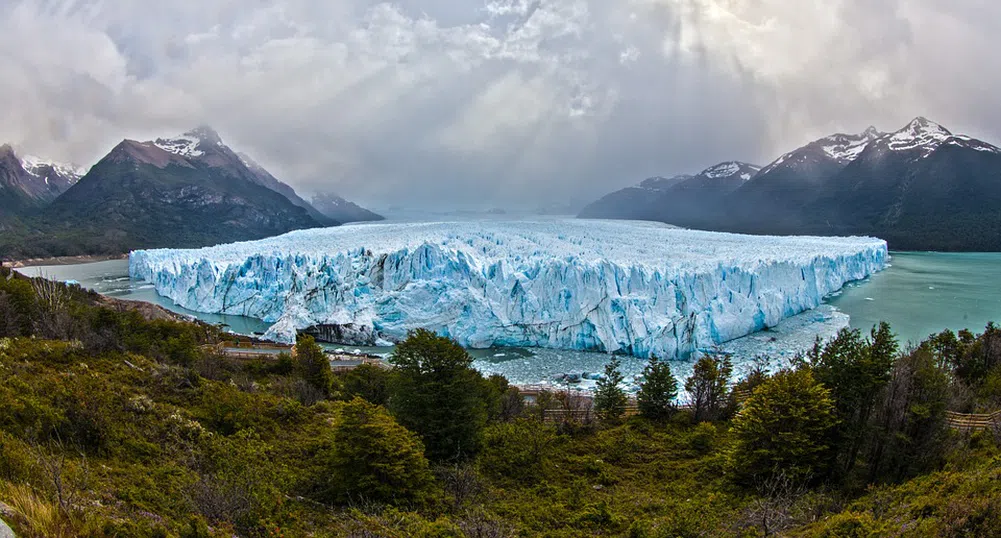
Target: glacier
<point>628,287</point>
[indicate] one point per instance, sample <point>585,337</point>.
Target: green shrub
<point>518,450</point>
<point>850,525</point>
<point>702,439</point>
<point>785,427</point>
<point>369,382</point>
<point>373,458</point>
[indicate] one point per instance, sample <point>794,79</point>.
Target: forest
<point>113,423</point>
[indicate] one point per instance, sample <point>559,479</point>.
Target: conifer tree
<point>658,390</point>
<point>609,398</point>
<point>709,386</point>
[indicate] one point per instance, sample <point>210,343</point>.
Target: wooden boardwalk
<point>971,422</point>
<point>269,352</point>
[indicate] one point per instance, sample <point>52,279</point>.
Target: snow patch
<point>33,166</point>
<point>613,286</point>
<point>184,145</point>
<point>722,170</point>
<point>920,133</point>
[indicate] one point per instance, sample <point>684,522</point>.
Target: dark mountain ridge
<point>341,210</point>
<point>187,191</point>
<point>921,187</point>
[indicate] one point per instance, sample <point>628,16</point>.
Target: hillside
<point>112,424</point>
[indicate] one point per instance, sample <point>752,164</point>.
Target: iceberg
<point>629,287</point>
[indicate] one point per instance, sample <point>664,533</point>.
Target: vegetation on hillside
<point>114,425</point>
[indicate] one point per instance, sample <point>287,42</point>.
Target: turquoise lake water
<point>919,294</point>
<point>925,292</point>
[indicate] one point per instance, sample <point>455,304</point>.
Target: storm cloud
<point>511,103</point>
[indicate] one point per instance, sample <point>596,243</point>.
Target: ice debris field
<point>614,286</point>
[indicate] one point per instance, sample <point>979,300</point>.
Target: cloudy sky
<point>515,103</point>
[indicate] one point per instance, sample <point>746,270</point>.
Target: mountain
<point>27,183</point>
<point>771,202</point>
<point>203,145</point>
<point>337,208</point>
<point>921,187</point>
<point>632,202</point>
<point>188,191</point>
<point>679,198</point>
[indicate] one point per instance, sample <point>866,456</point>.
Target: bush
<point>517,450</point>
<point>850,525</point>
<point>375,459</point>
<point>369,382</point>
<point>785,427</point>
<point>312,366</point>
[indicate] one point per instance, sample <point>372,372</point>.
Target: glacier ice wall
<point>615,286</point>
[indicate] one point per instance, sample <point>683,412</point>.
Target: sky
<point>466,104</point>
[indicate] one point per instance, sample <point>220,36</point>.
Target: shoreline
<point>63,260</point>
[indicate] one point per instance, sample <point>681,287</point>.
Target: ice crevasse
<point>613,286</point>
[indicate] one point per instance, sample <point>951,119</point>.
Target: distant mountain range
<point>337,208</point>
<point>187,191</point>
<point>920,188</point>
<point>29,182</point>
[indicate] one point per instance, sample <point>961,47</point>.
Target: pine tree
<point>373,458</point>
<point>856,371</point>
<point>436,393</point>
<point>609,398</point>
<point>658,390</point>
<point>709,386</point>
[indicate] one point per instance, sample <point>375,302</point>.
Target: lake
<point>926,292</point>
<point>919,294</point>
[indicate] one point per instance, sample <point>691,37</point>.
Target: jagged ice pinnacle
<point>614,286</point>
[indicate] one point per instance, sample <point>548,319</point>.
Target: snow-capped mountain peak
<point>184,145</point>
<point>36,165</point>
<point>844,148</point>
<point>729,169</point>
<point>187,144</point>
<point>919,133</point>
<point>722,170</point>
<point>972,143</point>
<point>206,134</point>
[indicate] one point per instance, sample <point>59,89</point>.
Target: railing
<point>971,422</point>
<point>566,415</point>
